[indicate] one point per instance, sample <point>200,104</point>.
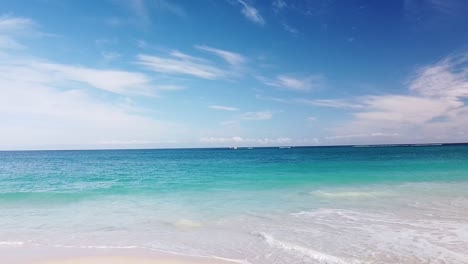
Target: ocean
<point>334,205</point>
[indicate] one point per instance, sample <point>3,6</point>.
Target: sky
<point>221,73</point>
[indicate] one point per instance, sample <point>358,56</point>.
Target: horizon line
<point>250,147</point>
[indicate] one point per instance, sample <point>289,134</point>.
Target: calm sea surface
<point>264,205</point>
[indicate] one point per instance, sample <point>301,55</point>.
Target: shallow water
<point>298,205</point>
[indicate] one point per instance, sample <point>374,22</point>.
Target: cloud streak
<point>251,13</point>
<point>262,115</point>
<point>224,108</point>
<point>294,83</point>
<point>234,59</point>
<point>142,10</point>
<point>180,63</point>
<point>47,73</point>
<point>14,25</point>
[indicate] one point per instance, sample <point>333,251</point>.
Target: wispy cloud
<point>436,109</point>
<point>181,63</point>
<point>14,25</point>
<point>448,78</point>
<point>223,107</point>
<point>290,29</point>
<point>261,115</point>
<point>334,103</point>
<point>142,11</point>
<point>279,4</point>
<point>251,13</point>
<point>13,28</point>
<point>352,103</point>
<point>178,65</point>
<point>115,81</point>
<point>7,42</point>
<point>170,7</point>
<point>34,71</point>
<point>295,83</point>
<point>235,59</point>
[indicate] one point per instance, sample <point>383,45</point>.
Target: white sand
<point>51,255</point>
<point>131,260</point>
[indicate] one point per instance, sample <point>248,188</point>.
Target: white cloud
<point>49,105</point>
<point>181,63</point>
<point>251,13</point>
<point>448,78</point>
<point>13,28</point>
<point>405,109</point>
<point>37,115</point>
<point>184,64</point>
<point>14,25</point>
<point>45,104</point>
<point>235,59</point>
<point>224,108</point>
<point>294,83</point>
<point>435,111</point>
<point>36,71</point>
<point>262,115</point>
<point>115,81</point>
<point>7,42</point>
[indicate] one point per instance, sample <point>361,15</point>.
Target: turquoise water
<point>262,205</point>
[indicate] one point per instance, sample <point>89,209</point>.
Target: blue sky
<point>160,73</point>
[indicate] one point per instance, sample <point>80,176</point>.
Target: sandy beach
<point>52,255</point>
<point>130,260</point>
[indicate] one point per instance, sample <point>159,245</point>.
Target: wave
<point>317,256</point>
<point>187,223</point>
<point>12,243</point>
<point>351,194</point>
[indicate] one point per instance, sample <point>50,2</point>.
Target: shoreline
<point>54,255</point>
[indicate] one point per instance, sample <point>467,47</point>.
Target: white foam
<point>322,258</point>
<point>409,236</point>
<point>350,194</point>
<point>11,243</point>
